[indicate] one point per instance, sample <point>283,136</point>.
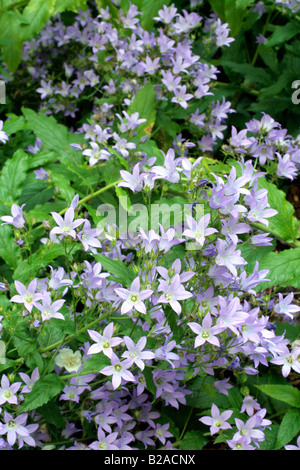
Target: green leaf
<point>284,80</point>
<point>289,428</point>
<point>37,12</point>
<point>269,57</point>
<point>40,159</point>
<point>7,364</point>
<point>13,124</point>
<point>144,103</point>
<point>95,364</point>
<point>28,268</point>
<point>252,254</point>
<point>10,39</point>
<point>248,71</point>
<point>69,5</point>
<point>51,412</point>
<point>63,185</point>
<point>290,330</point>
<point>13,175</point>
<point>286,393</point>
<point>284,269</point>
<point>150,10</point>
<point>270,438</point>
<point>42,392</point>
<point>283,34</point>
<point>147,372</point>
<point>231,11</point>
<point>218,7</point>
<point>24,346</point>
<point>117,268</point>
<point>9,252</point>
<point>54,136</point>
<point>244,3</point>
<point>51,334</point>
<point>34,193</point>
<point>284,223</point>
<point>193,440</point>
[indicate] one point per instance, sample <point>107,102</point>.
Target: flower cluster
<point>267,143</point>
<point>130,56</point>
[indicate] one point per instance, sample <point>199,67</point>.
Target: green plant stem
<point>70,337</point>
<point>86,198</point>
<point>263,228</point>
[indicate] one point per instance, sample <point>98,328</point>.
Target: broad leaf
<point>43,391</point>
<point>193,440</point>
<point>13,175</point>
<point>284,223</point>
<point>145,104</point>
<point>284,269</point>
<point>37,13</point>
<point>289,428</point>
<point>283,34</point>
<point>54,136</point>
<point>10,39</point>
<point>95,364</point>
<point>117,268</point>
<point>286,393</point>
<point>27,269</point>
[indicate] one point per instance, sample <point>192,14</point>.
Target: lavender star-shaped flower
<point>66,227</point>
<point>133,297</point>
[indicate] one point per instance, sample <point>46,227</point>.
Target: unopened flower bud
<point>46,225</point>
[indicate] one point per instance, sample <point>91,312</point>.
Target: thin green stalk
<point>86,198</point>
<point>71,337</point>
<point>262,227</point>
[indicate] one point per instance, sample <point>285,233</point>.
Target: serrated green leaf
<point>24,346</point>
<point>193,440</point>
<point>7,364</point>
<point>95,364</point>
<point>13,175</point>
<point>42,392</point>
<point>37,13</point>
<point>283,34</point>
<point>51,334</point>
<point>13,124</point>
<point>286,393</point>
<point>150,384</point>
<point>270,438</point>
<point>10,39</point>
<point>51,412</point>
<point>9,252</point>
<point>248,71</point>
<point>63,185</point>
<point>35,193</point>
<point>284,80</point>
<point>284,223</point>
<point>28,268</point>
<point>289,428</point>
<point>69,5</point>
<point>117,268</point>
<point>144,103</point>
<point>40,159</point>
<point>150,10</point>
<point>252,254</point>
<point>54,136</point>
<point>284,269</point>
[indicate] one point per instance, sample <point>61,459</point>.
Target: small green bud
<point>245,391</point>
